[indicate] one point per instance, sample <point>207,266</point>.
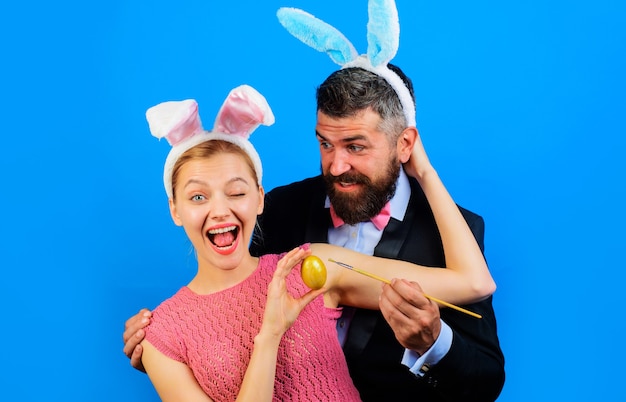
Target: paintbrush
<point>436,300</point>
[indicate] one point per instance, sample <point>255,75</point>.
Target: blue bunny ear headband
<point>383,39</point>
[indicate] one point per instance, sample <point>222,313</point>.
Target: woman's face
<point>217,203</point>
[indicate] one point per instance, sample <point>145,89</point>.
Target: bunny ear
<point>383,31</point>
<point>174,120</point>
<point>383,38</point>
<point>317,34</point>
<point>242,112</point>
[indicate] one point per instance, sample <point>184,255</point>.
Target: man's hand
<point>133,335</point>
<point>413,318</point>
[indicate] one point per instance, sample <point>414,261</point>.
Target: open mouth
<point>349,181</point>
<point>223,238</point>
<point>347,186</point>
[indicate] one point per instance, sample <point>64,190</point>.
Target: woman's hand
<point>282,309</point>
<point>418,164</point>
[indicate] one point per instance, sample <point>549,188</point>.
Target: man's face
<point>359,165</point>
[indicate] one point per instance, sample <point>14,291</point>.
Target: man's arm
<point>473,367</point>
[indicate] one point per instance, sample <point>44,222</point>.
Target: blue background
<point>521,106</point>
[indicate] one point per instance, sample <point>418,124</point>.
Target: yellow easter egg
<point>313,272</point>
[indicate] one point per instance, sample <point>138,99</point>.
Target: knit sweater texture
<point>214,335</point>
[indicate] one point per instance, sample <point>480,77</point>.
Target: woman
<point>247,328</point>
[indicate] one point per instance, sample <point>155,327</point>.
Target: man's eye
<point>355,148</point>
<point>197,197</point>
<point>325,145</point>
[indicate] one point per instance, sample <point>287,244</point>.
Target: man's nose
<point>340,163</point>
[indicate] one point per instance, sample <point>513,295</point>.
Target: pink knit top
<point>213,334</point>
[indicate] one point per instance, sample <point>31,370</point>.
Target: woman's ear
<point>174,213</point>
<point>406,142</point>
<point>261,200</point>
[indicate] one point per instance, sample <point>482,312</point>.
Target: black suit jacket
<point>473,369</point>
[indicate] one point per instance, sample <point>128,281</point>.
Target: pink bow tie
<point>380,221</point>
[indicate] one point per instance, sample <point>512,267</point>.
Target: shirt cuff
<point>419,365</point>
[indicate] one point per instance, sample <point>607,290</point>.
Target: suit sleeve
<point>473,368</point>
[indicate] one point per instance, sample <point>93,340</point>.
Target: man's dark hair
<point>349,91</point>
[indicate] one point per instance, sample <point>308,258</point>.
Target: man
<point>410,350</point>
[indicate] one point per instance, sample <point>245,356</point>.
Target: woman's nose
<point>219,208</point>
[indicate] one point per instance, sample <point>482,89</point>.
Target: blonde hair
<point>206,150</point>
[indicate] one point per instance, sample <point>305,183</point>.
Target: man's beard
<point>361,206</point>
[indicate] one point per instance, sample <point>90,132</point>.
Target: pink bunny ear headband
<point>178,121</point>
